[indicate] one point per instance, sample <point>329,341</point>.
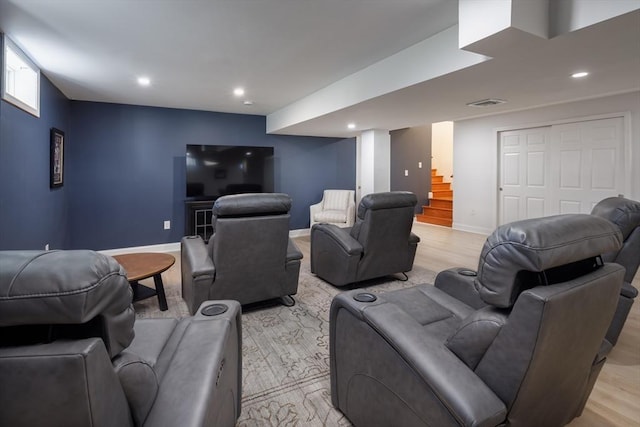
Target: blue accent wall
<point>31,214</point>
<point>125,169</point>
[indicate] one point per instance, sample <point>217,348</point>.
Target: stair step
<point>441,203</point>
<point>444,194</point>
<point>440,209</point>
<point>437,212</point>
<point>436,221</point>
<point>440,186</point>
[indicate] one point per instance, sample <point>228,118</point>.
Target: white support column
<point>374,162</point>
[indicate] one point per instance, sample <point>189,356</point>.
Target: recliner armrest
<point>351,214</point>
<point>628,291</point>
<point>461,391</point>
<point>203,377</point>
<point>195,257</point>
<point>459,283</point>
<point>340,236</point>
<point>293,253</point>
<point>313,210</point>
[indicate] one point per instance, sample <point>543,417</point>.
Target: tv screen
<point>218,170</point>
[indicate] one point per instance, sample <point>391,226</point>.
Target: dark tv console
<point>198,218</point>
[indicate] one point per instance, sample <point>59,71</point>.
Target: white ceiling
<point>284,51</point>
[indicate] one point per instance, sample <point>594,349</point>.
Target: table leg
<point>162,299</point>
<point>134,287</point>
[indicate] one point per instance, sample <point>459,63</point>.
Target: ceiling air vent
<point>486,102</point>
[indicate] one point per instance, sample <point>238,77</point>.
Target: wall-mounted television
<point>218,170</point>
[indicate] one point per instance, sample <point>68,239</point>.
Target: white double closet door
<point>557,169</point>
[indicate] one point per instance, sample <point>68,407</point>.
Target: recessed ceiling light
<point>248,102</point>
<point>238,91</point>
<point>579,74</point>
<point>351,125</point>
<point>144,81</point>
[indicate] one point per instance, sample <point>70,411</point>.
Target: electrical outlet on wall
<point>167,225</point>
<point>46,247</point>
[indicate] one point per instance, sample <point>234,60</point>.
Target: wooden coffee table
<point>142,266</point>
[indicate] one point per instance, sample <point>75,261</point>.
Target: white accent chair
<point>336,207</point>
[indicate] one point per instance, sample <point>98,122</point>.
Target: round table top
<point>145,264</point>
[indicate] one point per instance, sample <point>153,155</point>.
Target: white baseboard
<point>300,232</point>
<point>163,247</point>
<point>175,247</point>
<point>472,229</point>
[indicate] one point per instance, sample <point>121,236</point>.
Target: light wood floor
<point>615,400</point>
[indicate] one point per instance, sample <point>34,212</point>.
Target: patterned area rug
<point>285,351</point>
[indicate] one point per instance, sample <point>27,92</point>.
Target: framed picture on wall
<point>57,158</point>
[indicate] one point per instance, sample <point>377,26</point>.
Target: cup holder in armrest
<point>467,272</point>
<point>365,297</point>
<point>214,309</point>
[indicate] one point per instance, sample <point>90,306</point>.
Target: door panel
<point>558,169</point>
<point>603,168</point>
<point>535,207</point>
<point>511,208</point>
<point>590,165</point>
<point>524,176</point>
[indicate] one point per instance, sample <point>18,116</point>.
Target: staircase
<point>440,209</point>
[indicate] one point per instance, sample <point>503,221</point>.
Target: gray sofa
<point>249,257</point>
<point>379,243</point>
<point>529,357</point>
<point>625,214</point>
<point>72,353</point>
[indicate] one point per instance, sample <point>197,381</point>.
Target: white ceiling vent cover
<point>486,102</point>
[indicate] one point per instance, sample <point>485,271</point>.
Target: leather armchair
<point>72,353</point>
<point>625,214</point>
<point>420,357</point>
<point>336,207</point>
<point>380,243</point>
<point>249,257</point>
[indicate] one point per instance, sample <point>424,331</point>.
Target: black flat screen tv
<point>218,170</point>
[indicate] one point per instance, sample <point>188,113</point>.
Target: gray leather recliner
<point>249,257</point>
<point>379,243</point>
<point>418,356</point>
<point>73,355</point>
<point>625,214</point>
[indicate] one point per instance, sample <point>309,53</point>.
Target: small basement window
<point>20,78</point>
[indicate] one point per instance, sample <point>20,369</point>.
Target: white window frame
<point>7,43</point>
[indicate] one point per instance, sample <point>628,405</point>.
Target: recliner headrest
<point>391,199</point>
<point>623,212</point>
<point>536,245</point>
<point>252,204</point>
<point>67,288</point>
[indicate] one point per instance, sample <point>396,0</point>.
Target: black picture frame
<point>57,158</point>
